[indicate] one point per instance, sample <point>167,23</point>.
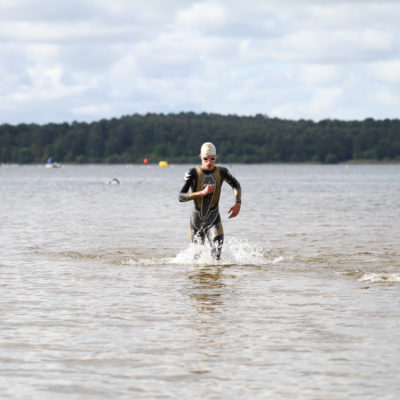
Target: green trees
<point>178,137</point>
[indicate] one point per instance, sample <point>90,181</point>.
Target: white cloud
<point>44,84</point>
<point>202,15</point>
<point>96,110</point>
<point>320,101</point>
<point>319,74</point>
<point>91,59</point>
<point>386,71</point>
<point>386,97</point>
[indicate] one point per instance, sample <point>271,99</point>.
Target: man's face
<point>208,162</point>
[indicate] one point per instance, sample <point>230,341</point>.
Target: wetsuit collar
<point>206,171</point>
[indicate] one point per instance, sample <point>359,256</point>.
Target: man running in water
<point>205,183</point>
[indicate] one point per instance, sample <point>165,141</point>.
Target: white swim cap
<point>208,149</point>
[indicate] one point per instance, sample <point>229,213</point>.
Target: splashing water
<point>380,277</point>
<point>234,252</point>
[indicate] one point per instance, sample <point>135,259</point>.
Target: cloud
<point>204,16</point>
<point>386,97</point>
<point>45,84</point>
<point>319,74</point>
<point>386,71</point>
<point>93,109</point>
<point>93,59</point>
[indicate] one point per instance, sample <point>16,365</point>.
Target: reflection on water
<point>206,297</point>
<point>207,288</point>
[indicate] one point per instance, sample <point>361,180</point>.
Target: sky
<point>85,60</point>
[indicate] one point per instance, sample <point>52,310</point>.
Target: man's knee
<point>217,247</point>
<point>196,237</point>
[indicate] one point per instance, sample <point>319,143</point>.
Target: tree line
<point>177,138</point>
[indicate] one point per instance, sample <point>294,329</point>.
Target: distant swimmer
<point>113,181</point>
<point>205,183</point>
<point>52,164</point>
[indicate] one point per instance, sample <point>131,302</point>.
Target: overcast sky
<point>84,60</point>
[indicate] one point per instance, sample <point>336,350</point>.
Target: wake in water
<point>235,252</point>
<point>239,252</point>
<point>382,277</point>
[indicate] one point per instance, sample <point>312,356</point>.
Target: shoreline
<point>349,162</point>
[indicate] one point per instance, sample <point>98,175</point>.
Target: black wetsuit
<point>205,219</point>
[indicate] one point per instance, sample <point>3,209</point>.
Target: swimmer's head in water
<point>208,149</point>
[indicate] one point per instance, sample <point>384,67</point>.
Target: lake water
<point>101,297</point>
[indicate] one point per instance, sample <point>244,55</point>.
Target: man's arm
<point>237,191</point>
<point>183,194</point>
<point>189,183</point>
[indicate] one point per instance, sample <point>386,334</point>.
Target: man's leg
<point>197,237</point>
<point>215,236</point>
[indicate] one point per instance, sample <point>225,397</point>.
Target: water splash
<point>380,277</point>
<point>234,252</point>
<point>143,261</point>
<point>195,254</point>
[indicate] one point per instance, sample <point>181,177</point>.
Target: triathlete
<point>114,181</point>
<point>205,183</point>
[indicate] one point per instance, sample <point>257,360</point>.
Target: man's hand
<point>208,189</point>
<point>234,210</point>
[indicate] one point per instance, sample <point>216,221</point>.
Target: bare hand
<point>234,210</point>
<point>208,189</point>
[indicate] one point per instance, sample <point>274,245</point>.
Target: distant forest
<point>177,138</point>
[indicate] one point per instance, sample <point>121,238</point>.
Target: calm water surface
<point>101,298</point>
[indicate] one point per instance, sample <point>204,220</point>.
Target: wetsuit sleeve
<point>233,182</point>
<point>187,184</point>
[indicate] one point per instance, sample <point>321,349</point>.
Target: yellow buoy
<point>163,164</point>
